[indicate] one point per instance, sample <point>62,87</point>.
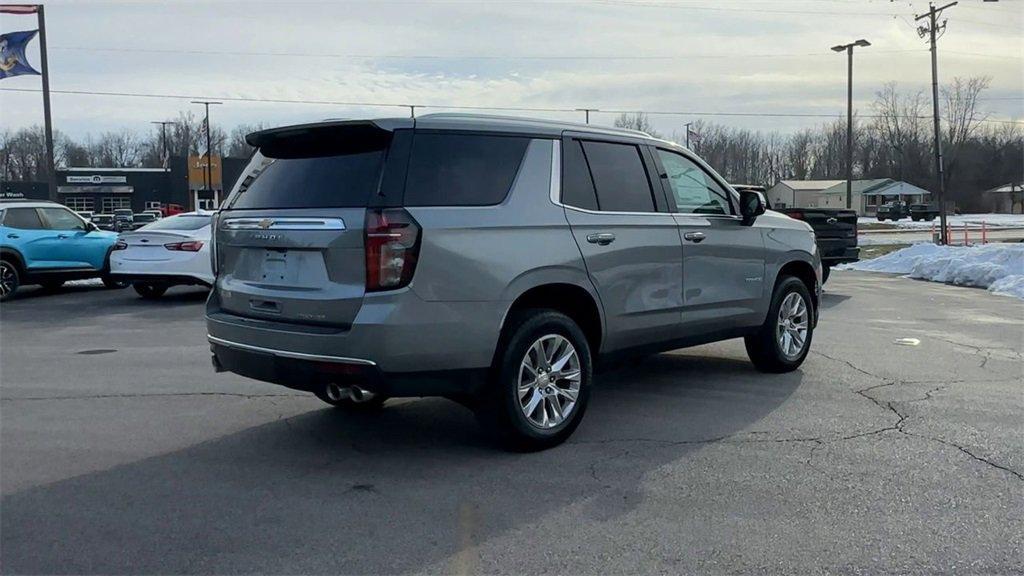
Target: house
<point>800,193</point>
<point>866,195</point>
<point>1006,199</point>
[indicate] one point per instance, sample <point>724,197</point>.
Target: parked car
<point>85,215</point>
<point>168,252</point>
<point>46,243</point>
<point>171,209</point>
<point>493,261</point>
<point>835,231</point>
<point>123,219</point>
<point>104,221</point>
<point>892,211</point>
<point>923,212</point>
<point>141,219</point>
<point>155,212</point>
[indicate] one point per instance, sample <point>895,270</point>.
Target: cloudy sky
<point>760,60</point>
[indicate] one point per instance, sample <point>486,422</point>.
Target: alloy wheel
<point>549,381</point>
<point>8,279</point>
<point>791,329</point>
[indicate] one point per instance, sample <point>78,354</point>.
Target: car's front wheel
<point>149,291</point>
<point>10,279</point>
<point>783,341</point>
<point>541,386</point>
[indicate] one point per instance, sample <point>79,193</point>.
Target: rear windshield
<point>317,168</point>
<point>192,222</point>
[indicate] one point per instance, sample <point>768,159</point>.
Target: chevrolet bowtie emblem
<point>266,223</point>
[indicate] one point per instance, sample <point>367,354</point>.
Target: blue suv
<point>46,243</point>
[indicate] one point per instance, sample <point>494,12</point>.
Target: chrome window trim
<point>277,223</point>
<point>556,189</point>
<point>288,354</point>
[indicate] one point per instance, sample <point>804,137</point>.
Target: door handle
<point>13,236</point>
<point>63,236</point>
<point>601,239</point>
<point>695,237</point>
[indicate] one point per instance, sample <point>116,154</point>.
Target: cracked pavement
<point>874,457</point>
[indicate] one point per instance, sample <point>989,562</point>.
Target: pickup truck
<point>835,231</point>
<point>892,211</point>
<point>923,212</point>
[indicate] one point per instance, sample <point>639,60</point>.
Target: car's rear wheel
<point>10,279</point>
<point>149,291</point>
<point>541,386</point>
<point>783,341</point>
<point>351,398</point>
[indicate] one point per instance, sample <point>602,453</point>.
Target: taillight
<point>120,245</point>
<point>190,246</point>
<point>796,215</point>
<point>392,241</point>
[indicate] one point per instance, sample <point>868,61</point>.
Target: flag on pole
<point>19,8</point>
<point>13,61</point>
<point>695,136</point>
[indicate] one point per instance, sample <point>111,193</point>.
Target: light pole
<point>848,48</point>
<point>163,140</point>
<point>209,157</point>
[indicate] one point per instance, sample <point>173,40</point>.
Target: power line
<point>357,56</point>
<point>457,106</point>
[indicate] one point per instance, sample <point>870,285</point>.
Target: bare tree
<point>962,117</point>
<point>236,146</point>
<point>638,121</point>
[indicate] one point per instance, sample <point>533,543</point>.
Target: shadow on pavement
<point>390,492</point>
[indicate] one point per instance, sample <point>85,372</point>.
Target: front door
<point>631,249</point>
<point>72,244</point>
<point>723,259</point>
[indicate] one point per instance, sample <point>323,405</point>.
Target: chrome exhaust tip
<point>358,394</point>
<point>336,393</point>
<point>355,394</point>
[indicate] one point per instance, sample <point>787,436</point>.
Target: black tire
<point>825,271</point>
<point>500,411</point>
<point>51,285</point>
<point>764,348</point>
<point>881,219</point>
<point>375,402</point>
<point>149,291</point>
<point>10,279</point>
<point>114,284</point>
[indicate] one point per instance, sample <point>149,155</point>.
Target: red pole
<point>966,238</point>
<point>984,233</point>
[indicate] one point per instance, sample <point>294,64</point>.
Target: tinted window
<point>179,223</point>
<point>619,177</point>
<point>694,190</point>
<point>462,170</point>
<point>144,217</point>
<point>338,181</point>
<point>577,185</point>
<point>22,218</point>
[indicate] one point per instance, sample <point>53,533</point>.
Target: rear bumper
<point>311,373</point>
<point>166,279</point>
<point>841,256</point>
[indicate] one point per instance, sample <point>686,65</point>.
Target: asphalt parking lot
<point>122,452</point>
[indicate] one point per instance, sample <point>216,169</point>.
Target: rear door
<point>23,229</point>
<point>630,247</point>
<point>290,241</point>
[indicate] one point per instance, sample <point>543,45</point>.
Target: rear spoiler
<point>330,137</point>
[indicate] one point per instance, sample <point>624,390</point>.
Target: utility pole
<point>209,153</point>
<point>931,30</point>
<point>163,140</point>
<point>687,126</point>
<point>412,110</point>
<point>848,48</point>
<point>586,112</point>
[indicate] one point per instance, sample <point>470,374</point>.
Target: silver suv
<point>494,261</point>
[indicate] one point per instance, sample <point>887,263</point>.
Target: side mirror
<point>752,205</point>
<point>90,227</point>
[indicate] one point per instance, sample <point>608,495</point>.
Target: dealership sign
<point>97,179</point>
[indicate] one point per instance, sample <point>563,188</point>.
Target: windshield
<point>186,222</point>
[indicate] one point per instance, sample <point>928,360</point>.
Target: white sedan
<point>169,252</point>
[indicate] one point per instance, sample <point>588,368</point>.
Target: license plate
<point>276,268</point>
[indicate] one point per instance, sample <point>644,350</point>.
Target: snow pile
<point>997,267</point>
<point>957,221</point>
